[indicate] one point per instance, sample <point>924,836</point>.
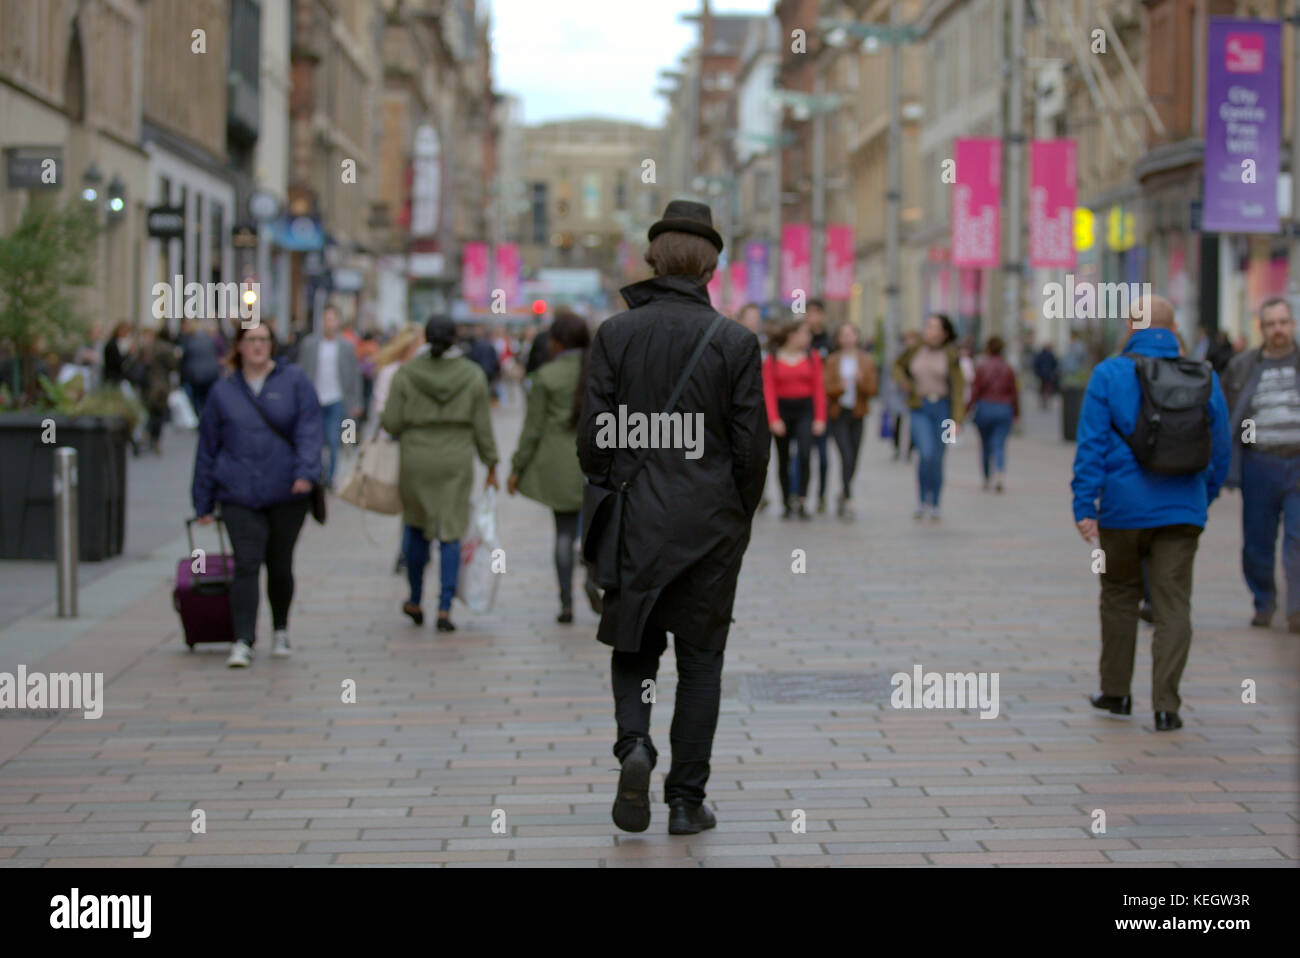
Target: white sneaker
<point>280,645</point>
<point>934,513</point>
<point>241,656</point>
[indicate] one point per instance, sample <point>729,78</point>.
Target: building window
<point>540,231</point>
<point>217,241</point>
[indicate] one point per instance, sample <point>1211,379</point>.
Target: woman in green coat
<point>545,465</point>
<point>437,409</point>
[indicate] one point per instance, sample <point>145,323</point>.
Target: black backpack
<point>1172,435</point>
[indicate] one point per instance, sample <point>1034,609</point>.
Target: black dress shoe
<point>632,804</point>
<point>565,617</point>
<point>684,819</point>
<point>444,625</point>
<point>1118,704</point>
<point>1262,620</point>
<point>1168,721</point>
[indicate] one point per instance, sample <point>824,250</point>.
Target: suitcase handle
<point>221,539</point>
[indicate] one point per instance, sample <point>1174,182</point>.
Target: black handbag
<point>602,506</point>
<point>317,487</point>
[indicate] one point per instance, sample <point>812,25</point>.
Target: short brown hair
<point>994,346</point>
<point>783,330</point>
<point>682,254</point>
<point>236,361</point>
<point>1274,301</point>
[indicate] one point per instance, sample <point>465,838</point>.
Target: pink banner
<point>507,273</point>
<point>738,281</point>
<point>474,274</point>
<point>976,203</point>
<point>715,288</point>
<point>839,261</point>
<point>796,260</point>
<point>1053,171</point>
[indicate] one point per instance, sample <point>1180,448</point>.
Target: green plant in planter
<point>42,263</point>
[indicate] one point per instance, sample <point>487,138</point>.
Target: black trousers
<point>846,429</point>
<point>797,414</point>
<point>260,536</point>
<point>566,535</point>
<point>695,713</point>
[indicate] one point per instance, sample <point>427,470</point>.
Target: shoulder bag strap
<point>248,393</point>
<point>718,320</point>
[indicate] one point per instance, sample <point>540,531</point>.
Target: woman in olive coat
<point>437,409</point>
<point>545,465</point>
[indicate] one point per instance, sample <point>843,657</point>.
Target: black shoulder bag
<point>602,507</point>
<point>317,490</point>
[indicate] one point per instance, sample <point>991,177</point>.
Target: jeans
<point>1269,492</point>
<point>1169,552</point>
<point>416,548</point>
<point>566,536</point>
<point>822,461</point>
<point>927,433</point>
<point>695,713</point>
<point>993,420</point>
<point>332,424</point>
<point>846,430</point>
<point>797,415</point>
<point>260,536</point>
<point>198,393</point>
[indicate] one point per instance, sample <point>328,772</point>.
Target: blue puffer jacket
<point>1104,466</point>
<point>239,458</point>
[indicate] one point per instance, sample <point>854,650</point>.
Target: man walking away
<point>687,513</point>
<point>330,363</point>
<point>1263,393</point>
<point>1152,508</point>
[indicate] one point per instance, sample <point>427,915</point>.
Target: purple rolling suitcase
<point>202,593</point>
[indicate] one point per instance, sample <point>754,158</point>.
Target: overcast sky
<point>567,58</point>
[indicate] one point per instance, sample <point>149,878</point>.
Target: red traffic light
<point>539,306</point>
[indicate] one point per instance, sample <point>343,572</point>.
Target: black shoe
<point>788,512</point>
<point>414,611</point>
<point>1168,721</point>
<point>444,625</point>
<point>1146,613</point>
<point>632,805</point>
<point>1262,620</point>
<point>565,617</point>
<point>684,819</point>
<point>1118,704</point>
<point>594,596</point>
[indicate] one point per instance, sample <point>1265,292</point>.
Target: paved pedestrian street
<point>491,746</point>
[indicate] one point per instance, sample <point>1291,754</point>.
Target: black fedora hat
<point>686,216</point>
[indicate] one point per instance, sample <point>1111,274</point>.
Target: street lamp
<point>91,178</point>
<point>116,202</point>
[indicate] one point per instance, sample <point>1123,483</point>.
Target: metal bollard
<point>67,548</point>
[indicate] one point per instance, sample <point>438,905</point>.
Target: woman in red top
<point>995,399</point>
<point>796,406</point>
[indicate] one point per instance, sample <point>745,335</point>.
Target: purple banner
<point>756,277</point>
<point>1242,126</point>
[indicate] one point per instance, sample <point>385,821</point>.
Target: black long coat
<point>687,521</point>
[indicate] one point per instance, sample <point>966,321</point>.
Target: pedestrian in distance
<point>119,353</point>
<point>438,409</point>
<point>820,343</point>
<point>151,371</point>
<point>794,391</point>
<point>258,457</point>
<point>995,406</point>
<point>685,521</point>
<point>330,362</point>
<point>200,362</point>
<point>1147,467</point>
<point>851,380</point>
<point>545,465</point>
<point>1047,369</point>
<point>930,372</point>
<point>1262,387</point>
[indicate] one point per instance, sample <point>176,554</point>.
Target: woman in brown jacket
<point>851,379</point>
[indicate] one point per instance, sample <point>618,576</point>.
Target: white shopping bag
<point>477,587</point>
<point>183,414</point>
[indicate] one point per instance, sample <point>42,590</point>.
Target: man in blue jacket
<point>1142,515</point>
